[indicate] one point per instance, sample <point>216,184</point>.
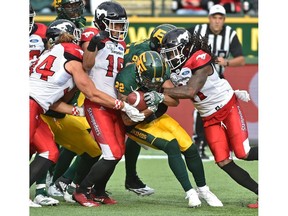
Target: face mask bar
<point>116,34</point>
<point>74,11</point>
<point>173,56</point>
<point>31,21</point>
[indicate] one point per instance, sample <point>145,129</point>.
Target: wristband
<point>227,63</point>
<point>118,104</point>
<point>75,111</point>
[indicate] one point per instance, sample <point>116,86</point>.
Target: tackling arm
<point>195,83</point>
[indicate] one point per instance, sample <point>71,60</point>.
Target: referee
<point>226,45</point>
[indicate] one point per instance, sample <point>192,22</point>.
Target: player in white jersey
<point>51,77</point>
<point>103,59</point>
<point>224,122</point>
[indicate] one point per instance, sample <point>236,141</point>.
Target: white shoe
<point>33,205</point>
<point>54,191</point>
<point>145,191</point>
<point>68,193</point>
<point>208,196</point>
<point>193,199</point>
<point>45,200</point>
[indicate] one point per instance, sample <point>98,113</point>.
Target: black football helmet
<point>108,17</point>
<point>157,35</point>
<point>151,69</point>
<point>70,9</point>
<point>32,14</point>
<point>176,47</point>
<point>59,26</point>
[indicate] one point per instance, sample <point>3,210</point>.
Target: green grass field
<point>169,196</point>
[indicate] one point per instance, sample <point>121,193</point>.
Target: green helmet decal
<point>158,34</point>
<point>151,69</point>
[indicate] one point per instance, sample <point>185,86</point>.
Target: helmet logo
<point>159,34</point>
<point>140,63</point>
<point>182,38</point>
<point>62,26</point>
<point>101,12</point>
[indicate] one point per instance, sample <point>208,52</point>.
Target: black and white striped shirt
<point>223,44</point>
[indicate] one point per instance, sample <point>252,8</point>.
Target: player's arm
<point>168,100</point>
<point>91,49</point>
<point>195,83</point>
<point>126,120</point>
<point>63,107</point>
<point>87,87</point>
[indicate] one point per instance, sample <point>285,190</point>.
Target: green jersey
<point>133,50</point>
<point>126,82</point>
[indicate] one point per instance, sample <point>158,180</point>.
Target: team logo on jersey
<point>87,34</point>
<point>110,45</point>
<point>201,56</point>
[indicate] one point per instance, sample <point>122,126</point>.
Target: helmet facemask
<point>73,11</point>
<point>112,18</point>
<point>117,29</point>
<point>174,56</point>
<point>177,46</point>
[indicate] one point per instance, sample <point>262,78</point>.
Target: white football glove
<point>153,98</point>
<point>133,113</point>
<point>242,95</point>
<point>78,111</point>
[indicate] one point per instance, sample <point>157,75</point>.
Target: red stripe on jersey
<point>198,60</point>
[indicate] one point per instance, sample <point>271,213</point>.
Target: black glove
<point>96,41</point>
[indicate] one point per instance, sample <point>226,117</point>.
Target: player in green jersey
<point>159,130</point>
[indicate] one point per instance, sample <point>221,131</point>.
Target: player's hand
<point>78,111</point>
<point>133,113</point>
<point>153,98</point>
<point>153,108</point>
<point>96,41</point>
<point>242,95</point>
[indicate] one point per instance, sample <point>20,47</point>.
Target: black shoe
<point>204,156</point>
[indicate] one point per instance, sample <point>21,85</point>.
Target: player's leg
<point>218,144</point>
<point>192,158</point>
<point>41,196</point>
<point>132,181</point>
<point>110,135</point>
<point>199,135</point>
<point>59,181</point>
<point>84,164</point>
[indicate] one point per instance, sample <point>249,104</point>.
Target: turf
<point>169,196</point>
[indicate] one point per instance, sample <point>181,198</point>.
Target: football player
<point>224,122</point>
<point>159,130</point>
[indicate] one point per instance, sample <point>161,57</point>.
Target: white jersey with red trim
<point>215,93</point>
<point>49,80</point>
<point>108,63</point>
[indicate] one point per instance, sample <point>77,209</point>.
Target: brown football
<point>136,99</point>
